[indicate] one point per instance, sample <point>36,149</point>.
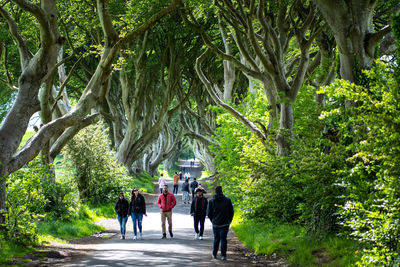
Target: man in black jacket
<point>220,212</point>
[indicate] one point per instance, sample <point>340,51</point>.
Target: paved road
<point>181,250</point>
<point>195,170</point>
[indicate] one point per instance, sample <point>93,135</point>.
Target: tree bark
<point>351,24</point>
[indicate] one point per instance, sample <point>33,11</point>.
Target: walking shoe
<point>134,237</point>
<point>213,256</point>
<point>171,234</point>
<point>123,237</point>
<point>196,236</point>
<point>164,236</point>
<point>223,258</point>
<point>140,235</point>
<point>201,237</point>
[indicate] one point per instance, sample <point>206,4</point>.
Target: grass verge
<point>292,243</point>
<point>144,182</point>
<point>68,230</point>
<point>9,250</point>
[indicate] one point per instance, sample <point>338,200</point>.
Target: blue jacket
<point>220,210</point>
<point>185,187</point>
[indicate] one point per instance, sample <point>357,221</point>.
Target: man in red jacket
<point>166,202</point>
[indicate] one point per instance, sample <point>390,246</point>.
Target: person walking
<point>161,182</point>
<point>198,210</point>
<point>137,208</point>
<point>185,192</point>
<point>121,208</point>
<point>220,212</point>
<point>176,183</point>
<point>180,175</point>
<point>193,186</point>
<point>166,202</point>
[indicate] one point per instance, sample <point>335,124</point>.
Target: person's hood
<point>219,197</point>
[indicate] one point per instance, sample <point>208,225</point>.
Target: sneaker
<point>213,256</point>
<point>140,235</point>
<point>201,237</point>
<point>223,258</point>
<point>164,236</point>
<point>123,237</point>
<point>196,236</point>
<point>134,237</point>
<point>171,234</point>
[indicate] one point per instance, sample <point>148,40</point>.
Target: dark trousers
<point>199,219</point>
<point>193,194</point>
<point>175,189</point>
<point>220,235</point>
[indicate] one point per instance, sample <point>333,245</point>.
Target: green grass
<point>69,230</point>
<point>144,182</point>
<point>8,250</point>
<point>82,225</point>
<point>104,210</point>
<point>292,243</point>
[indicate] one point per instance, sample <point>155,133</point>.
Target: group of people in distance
<point>219,210</point>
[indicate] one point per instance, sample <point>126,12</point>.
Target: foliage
<point>26,201</point>
<point>298,188</point>
<point>292,243</point>
<point>369,181</point>
<point>99,177</point>
<point>62,200</point>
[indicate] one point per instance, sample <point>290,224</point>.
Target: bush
<point>99,177</point>
<point>26,201</point>
<point>369,181</point>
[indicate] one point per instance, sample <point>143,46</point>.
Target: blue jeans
<point>175,189</point>
<point>122,223</point>
<point>137,217</point>
<point>220,234</point>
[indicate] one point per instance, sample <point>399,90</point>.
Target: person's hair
<point>194,178</point>
<point>165,185</point>
<point>133,192</point>
<point>120,194</point>
<point>218,189</point>
<point>162,174</point>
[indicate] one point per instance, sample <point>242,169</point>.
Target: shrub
<point>99,177</point>
<point>369,181</point>
<point>26,201</point>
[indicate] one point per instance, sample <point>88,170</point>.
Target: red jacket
<point>166,205</point>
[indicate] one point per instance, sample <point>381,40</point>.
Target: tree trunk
<point>285,129</point>
<point>351,24</point>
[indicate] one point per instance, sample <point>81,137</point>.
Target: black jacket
<point>194,185</point>
<point>199,208</point>
<point>220,210</point>
<point>121,207</point>
<point>137,205</point>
